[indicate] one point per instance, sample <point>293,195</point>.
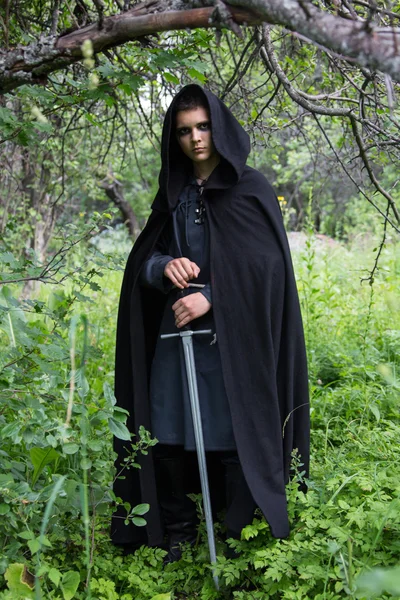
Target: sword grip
<point>181,294</point>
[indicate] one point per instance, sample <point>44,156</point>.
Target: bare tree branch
<point>374,49</point>
<point>370,172</point>
<point>293,93</point>
<point>239,74</point>
<point>100,7</point>
<point>50,270</point>
<point>55,16</point>
<point>31,64</point>
<point>349,175</point>
<point>359,41</point>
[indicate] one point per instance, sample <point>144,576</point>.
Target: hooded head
<point>229,138</point>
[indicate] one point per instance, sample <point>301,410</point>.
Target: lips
<point>198,149</point>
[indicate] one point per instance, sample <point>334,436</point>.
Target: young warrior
<point>216,222</point>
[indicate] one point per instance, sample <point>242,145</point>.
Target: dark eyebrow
<point>207,122</point>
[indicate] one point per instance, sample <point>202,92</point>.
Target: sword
<point>187,342</point>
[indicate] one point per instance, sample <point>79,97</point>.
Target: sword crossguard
<point>186,333</point>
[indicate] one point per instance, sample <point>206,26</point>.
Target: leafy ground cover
<point>58,414</point>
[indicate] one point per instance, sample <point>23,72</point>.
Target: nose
<point>196,137</point>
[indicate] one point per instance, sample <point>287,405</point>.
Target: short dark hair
<point>190,100</point>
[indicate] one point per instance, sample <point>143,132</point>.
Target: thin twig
<point>55,16</point>
<point>237,76</point>
<point>360,190</point>
<point>371,277</point>
<point>270,100</point>
<point>100,7</point>
<point>377,9</point>
<point>370,171</point>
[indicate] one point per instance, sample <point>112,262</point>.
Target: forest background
<point>84,87</point>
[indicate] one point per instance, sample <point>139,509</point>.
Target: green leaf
<point>41,457</point>
<point>375,411</point>
<point>171,78</point>
<point>141,509</point>
<point>109,394</point>
<point>44,541</point>
<point>34,546</point>
<point>109,100</point>
<point>86,463</point>
<point>83,386</point>
<point>4,508</point>
<point>19,581</point>
<point>195,74</point>
<point>95,445</point>
<point>14,318</point>
<point>119,429</point>
<point>69,584</point>
<point>6,479</point>
<point>162,597</point>
<point>118,415</point>
<point>54,576</point>
<point>92,119</point>
<point>11,430</point>
<point>70,448</point>
<point>6,116</point>
<point>139,522</point>
<point>134,81</point>
<point>26,535</point>
<point>125,87</point>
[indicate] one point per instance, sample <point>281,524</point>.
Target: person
<point>215,222</point>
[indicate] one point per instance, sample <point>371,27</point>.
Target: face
<point>193,132</point>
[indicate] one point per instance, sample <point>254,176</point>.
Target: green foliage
<point>55,479</point>
<point>56,471</point>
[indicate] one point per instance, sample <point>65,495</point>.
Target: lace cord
<point>201,209</point>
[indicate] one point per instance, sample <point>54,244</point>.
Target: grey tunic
<point>169,396</point>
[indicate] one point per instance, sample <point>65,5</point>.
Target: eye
<point>182,131</point>
<point>205,126</point>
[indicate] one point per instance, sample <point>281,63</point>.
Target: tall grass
<point>347,524</point>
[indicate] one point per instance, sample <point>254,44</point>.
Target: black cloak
<point>257,319</point>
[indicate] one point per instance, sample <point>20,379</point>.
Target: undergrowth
<point>58,414</point>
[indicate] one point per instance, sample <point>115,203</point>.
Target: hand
<point>180,271</point>
<point>189,308</point>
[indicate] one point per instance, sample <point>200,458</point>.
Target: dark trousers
<point>177,475</point>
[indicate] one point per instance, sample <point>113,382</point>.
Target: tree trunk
<point>40,214</point>
<point>113,189</point>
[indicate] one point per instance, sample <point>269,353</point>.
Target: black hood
<point>230,140</point>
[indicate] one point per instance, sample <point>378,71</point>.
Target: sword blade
<point>187,342</point>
